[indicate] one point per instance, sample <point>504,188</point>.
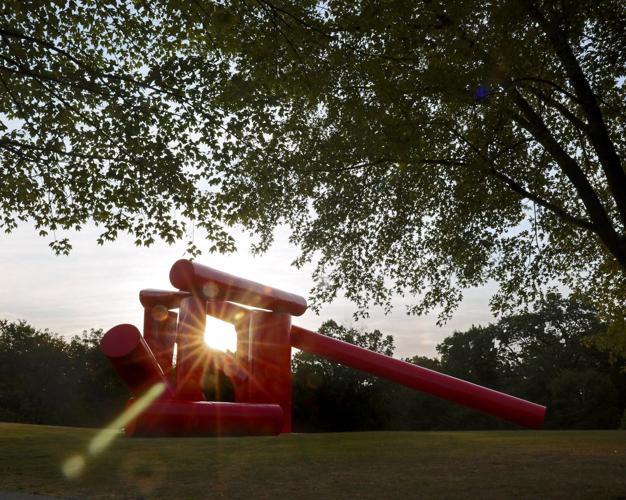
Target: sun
<point>220,335</point>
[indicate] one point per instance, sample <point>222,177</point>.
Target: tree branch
<point>95,72</point>
<point>571,117</point>
<point>548,205</point>
<point>293,48</point>
<point>16,34</point>
<point>519,189</point>
<point>11,142</point>
<point>533,124</point>
<point>598,131</point>
<point>549,83</point>
<point>28,72</point>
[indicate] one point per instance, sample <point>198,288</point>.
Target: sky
<point>98,287</point>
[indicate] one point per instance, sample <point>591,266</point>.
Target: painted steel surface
<point>159,332</point>
<point>168,299</point>
<point>191,347</point>
<point>132,359</point>
<point>214,284</point>
<point>207,418</point>
<point>270,361</point>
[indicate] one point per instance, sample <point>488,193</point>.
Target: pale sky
<point>98,287</point>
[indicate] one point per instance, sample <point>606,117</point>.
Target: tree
<point>331,397</point>
<point>548,356</point>
<point>28,358</point>
<point>46,380</point>
<point>413,149</point>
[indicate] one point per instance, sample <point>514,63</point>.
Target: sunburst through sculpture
<point>251,325</point>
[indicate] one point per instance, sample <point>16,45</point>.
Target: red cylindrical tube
<point>214,284</point>
<point>132,359</point>
<point>270,361</point>
<point>207,418</point>
<point>159,332</point>
<point>170,299</point>
<point>241,385</point>
<point>446,387</point>
<point>191,349</point>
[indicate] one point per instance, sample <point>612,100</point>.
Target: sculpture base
<point>176,418</point>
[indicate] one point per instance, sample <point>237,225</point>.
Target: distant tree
<point>34,375</point>
<point>473,355</point>
<point>101,393</point>
<point>46,380</point>
<point>547,356</point>
<point>585,398</point>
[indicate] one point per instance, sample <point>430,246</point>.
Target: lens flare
<point>220,335</point>
<point>159,312</point>
<point>211,290</point>
<point>75,465</point>
<point>105,437</point>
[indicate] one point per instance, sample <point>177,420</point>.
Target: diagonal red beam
<point>458,391</point>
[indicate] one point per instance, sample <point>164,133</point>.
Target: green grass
<point>522,464</point>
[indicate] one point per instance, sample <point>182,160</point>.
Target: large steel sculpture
<point>260,370</point>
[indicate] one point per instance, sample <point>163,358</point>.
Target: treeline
<point>546,356</point>
<point>45,379</point>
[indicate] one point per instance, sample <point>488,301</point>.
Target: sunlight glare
<point>74,466</point>
<point>105,437</point>
<point>220,335</point>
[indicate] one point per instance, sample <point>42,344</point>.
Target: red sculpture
<point>260,370</point>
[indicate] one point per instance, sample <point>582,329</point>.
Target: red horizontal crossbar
<point>216,285</point>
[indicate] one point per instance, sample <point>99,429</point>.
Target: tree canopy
<point>46,379</point>
<point>412,148</point>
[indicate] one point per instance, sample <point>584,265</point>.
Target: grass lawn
<point>512,464</point>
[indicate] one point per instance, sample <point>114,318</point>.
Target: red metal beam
<point>458,391</point>
<point>132,359</point>
<point>191,349</point>
<point>206,418</point>
<point>216,285</point>
<point>168,299</point>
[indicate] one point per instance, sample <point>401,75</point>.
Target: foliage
<point>543,356</point>
<point>47,380</point>
<point>92,130</point>
<point>413,148</point>
<point>332,397</point>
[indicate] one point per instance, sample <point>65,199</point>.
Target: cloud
<point>98,287</point>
